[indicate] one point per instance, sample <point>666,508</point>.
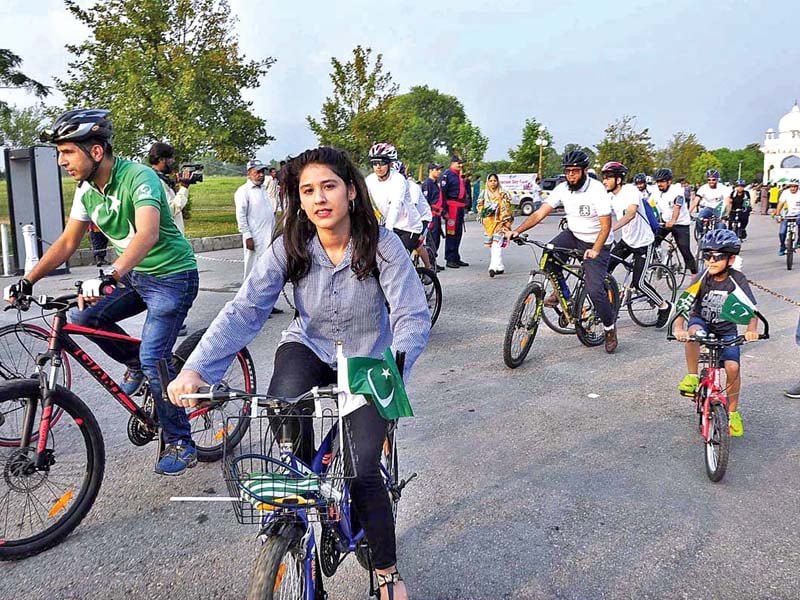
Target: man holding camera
<point>162,159</point>
<point>255,214</point>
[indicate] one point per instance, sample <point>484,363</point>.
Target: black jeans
<point>436,234</point>
<point>594,274</point>
<point>452,243</point>
<point>682,237</point>
<point>297,370</point>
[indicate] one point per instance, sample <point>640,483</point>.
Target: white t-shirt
<point>792,207</point>
<point>420,203</point>
<point>636,233</point>
<point>666,201</point>
<point>393,199</point>
<point>254,215</point>
<point>713,197</point>
<point>584,208</point>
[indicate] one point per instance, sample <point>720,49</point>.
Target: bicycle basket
<point>288,462</point>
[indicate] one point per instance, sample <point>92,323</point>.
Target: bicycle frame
<point>710,389</point>
<point>557,278</point>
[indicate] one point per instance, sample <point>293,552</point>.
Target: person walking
<point>99,243</point>
<point>454,198</point>
<point>162,158</point>
<point>255,214</point>
<point>494,211</point>
<point>432,191</point>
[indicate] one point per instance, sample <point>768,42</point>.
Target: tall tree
<point>468,142</point>
<point>525,157</point>
<point>701,164</point>
<point>679,153</point>
<point>21,126</point>
<point>354,116</point>
<point>12,78</point>
<point>168,70</point>
<point>750,158</point>
<point>624,143</point>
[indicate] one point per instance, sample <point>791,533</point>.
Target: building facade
<point>782,148</point>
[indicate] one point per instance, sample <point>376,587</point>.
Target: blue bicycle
<point>275,483</point>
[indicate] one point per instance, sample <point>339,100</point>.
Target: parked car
<point>522,188</point>
<point>549,183</point>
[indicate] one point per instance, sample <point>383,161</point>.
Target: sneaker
<point>688,385</point>
<point>781,252</point>
<point>551,301</point>
<point>735,424</point>
<point>132,381</point>
<point>663,315</point>
<point>611,340</point>
<point>176,458</point>
<point>793,392</point>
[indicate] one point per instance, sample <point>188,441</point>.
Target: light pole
<point>541,142</point>
<point>739,176</point>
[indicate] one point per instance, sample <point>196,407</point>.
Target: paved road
<point>529,486</point>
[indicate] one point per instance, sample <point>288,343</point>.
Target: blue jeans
<point>707,213</point>
<point>166,299</point>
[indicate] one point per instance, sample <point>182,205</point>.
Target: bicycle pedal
<point>688,395</point>
<point>405,482</point>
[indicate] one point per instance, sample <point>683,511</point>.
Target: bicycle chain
<point>778,295</point>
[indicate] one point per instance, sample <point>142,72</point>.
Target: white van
<point>524,191</point>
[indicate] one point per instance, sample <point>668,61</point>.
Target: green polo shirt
<point>113,211</point>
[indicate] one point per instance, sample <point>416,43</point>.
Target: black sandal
<point>388,581</point>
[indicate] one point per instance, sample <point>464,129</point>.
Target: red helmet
<point>617,169</point>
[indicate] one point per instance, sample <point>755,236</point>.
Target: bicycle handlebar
<point>713,341</point>
<point>220,393</point>
<point>523,239</point>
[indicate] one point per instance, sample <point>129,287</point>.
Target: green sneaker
<point>735,423</point>
<point>688,385</point>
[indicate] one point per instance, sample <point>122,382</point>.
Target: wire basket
<point>276,467</point>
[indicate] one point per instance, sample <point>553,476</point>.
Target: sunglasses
<point>379,162</point>
<point>714,256</point>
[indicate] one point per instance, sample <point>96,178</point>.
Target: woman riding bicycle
<point>345,269</point>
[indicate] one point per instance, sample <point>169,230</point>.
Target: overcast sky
<point>725,71</point>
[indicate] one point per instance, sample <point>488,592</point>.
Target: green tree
<point>493,166</point>
<point>355,115</point>
<point>525,157</point>
<point>21,126</point>
<point>679,153</point>
<point>468,142</point>
<point>624,143</point>
<point>12,78</point>
<point>168,70</point>
<point>750,158</point>
<point>701,164</point>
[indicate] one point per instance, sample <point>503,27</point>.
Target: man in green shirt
<point>155,270</point>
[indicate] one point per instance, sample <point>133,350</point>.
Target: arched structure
<point>782,148</point>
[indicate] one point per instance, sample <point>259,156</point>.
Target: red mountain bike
<point>52,453</point>
<point>711,400</point>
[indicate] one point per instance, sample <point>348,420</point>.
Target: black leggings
<point>682,237</point>
<point>641,262</point>
<point>297,370</point>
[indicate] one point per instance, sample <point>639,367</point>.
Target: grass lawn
<point>212,205</point>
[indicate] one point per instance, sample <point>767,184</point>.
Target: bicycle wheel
<point>588,325</point>
<point>20,343</point>
<point>676,265</point>
<point>522,325</point>
<point>279,572</point>
<point>212,429</point>
<point>789,249</point>
<point>39,508</point>
<point>643,311</point>
<point>555,318</point>
<point>433,292</point>
<point>718,445</point>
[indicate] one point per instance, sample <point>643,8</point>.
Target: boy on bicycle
<point>713,305</point>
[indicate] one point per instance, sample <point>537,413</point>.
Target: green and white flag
<point>378,379</point>
<point>684,303</point>
<point>737,308</point>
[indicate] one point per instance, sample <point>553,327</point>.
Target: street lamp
<point>541,142</point>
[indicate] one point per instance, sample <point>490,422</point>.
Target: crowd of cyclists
<point>343,243</point>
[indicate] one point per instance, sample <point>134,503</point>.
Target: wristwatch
<point>114,272</point>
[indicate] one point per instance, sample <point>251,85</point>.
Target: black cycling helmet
<point>722,240</point>
<point>78,126</point>
<point>640,178</point>
<point>615,169</point>
<point>741,182</point>
<point>575,158</point>
<point>713,174</point>
<point>663,174</point>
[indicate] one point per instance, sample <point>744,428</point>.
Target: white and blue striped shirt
<point>332,305</point>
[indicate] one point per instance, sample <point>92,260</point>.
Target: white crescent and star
<point>384,402</point>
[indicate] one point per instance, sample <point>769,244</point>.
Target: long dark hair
<point>298,231</point>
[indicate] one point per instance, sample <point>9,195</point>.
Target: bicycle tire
<point>71,506</point>
<point>676,265</point>
<point>555,318</point>
<point>640,307</point>
<point>433,292</point>
<point>20,343</point>
<point>588,326</point>
<point>717,448</point>
<point>211,429</point>
<point>270,571</point>
<point>522,319</point>
<point>789,250</point>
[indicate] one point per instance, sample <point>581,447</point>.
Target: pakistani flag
<point>737,308</point>
<point>684,304</point>
<point>380,380</point>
